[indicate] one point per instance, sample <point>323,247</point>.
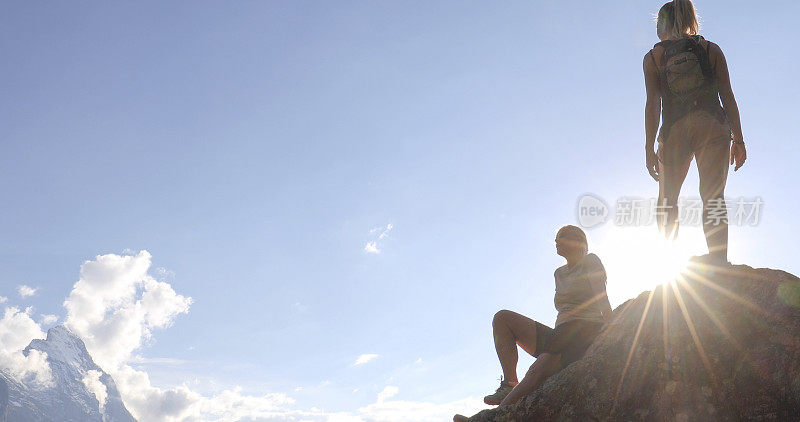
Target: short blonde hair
<point>677,19</point>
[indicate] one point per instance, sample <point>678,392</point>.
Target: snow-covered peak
<point>81,391</point>
<point>63,346</point>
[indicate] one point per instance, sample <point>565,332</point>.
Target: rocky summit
<point>716,344</point>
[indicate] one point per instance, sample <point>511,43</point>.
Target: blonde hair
<point>677,19</point>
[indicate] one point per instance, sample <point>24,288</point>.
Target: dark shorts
<point>571,339</point>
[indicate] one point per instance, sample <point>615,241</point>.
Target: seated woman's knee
<point>501,317</point>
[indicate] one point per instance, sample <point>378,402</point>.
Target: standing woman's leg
<point>511,329</point>
<point>670,180</point>
<point>712,164</point>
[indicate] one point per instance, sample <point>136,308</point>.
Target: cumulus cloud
<point>183,404</point>
<point>93,384</point>
<point>3,299</point>
<point>149,403</point>
<point>116,304</point>
<point>233,405</point>
<point>48,319</point>
<point>26,291</point>
<point>17,329</point>
<point>364,358</point>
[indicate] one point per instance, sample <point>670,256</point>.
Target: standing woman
<point>686,76</point>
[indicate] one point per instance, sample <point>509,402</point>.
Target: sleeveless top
<point>676,105</point>
<point>575,298</point>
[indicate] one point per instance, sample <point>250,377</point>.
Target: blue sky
<point>255,148</point>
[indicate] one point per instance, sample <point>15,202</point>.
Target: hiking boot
<point>709,259</point>
<point>708,264</point>
<point>500,394</point>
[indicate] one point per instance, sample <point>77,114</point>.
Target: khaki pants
<point>703,136</point>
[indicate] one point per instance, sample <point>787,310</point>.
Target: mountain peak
<point>61,345</point>
<point>70,398</point>
<point>60,331</point>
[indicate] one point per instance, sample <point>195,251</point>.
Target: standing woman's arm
<point>652,112</point>
<point>738,152</point>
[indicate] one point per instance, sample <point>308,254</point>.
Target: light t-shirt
<point>575,298</point>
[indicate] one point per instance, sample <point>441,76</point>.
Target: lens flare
<point>639,259</point>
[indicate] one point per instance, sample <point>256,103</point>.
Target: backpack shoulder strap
<point>653,57</point>
<point>705,59</point>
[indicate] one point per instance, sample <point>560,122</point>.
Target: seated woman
<point>583,308</point>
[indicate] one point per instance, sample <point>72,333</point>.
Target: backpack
<point>687,68</point>
<point>687,81</point>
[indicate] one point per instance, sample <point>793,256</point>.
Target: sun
<point>639,259</point>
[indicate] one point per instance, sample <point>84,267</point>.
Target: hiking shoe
<point>500,394</point>
<point>707,264</point>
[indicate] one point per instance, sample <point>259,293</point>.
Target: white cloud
<point>149,403</point>
<point>401,410</point>
<point>3,299</point>
<point>388,392</point>
<point>92,382</point>
<point>365,358</point>
<point>17,329</point>
<point>232,405</point>
<point>183,404</point>
<point>386,231</point>
<point>162,361</point>
<point>49,319</point>
<point>26,291</point>
<point>115,305</point>
<point>373,246</point>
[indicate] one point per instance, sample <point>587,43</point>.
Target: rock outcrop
<point>718,344</point>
